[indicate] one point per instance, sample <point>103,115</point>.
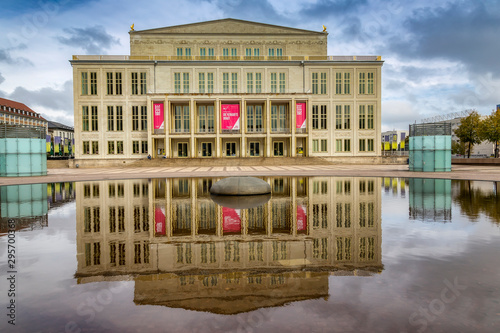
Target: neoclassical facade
<point>226,88</point>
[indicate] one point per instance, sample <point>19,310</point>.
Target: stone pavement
<point>472,172</point>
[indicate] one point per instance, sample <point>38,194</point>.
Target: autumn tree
<point>469,131</point>
<point>490,129</point>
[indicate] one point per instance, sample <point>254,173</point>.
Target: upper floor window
<point>138,83</point>
<point>278,86</point>
<point>366,83</point>
<point>206,83</point>
<point>227,79</point>
<point>252,52</point>
<point>254,83</point>
<point>366,116</point>
<point>181,80</point>
<point>343,83</point>
<point>319,117</point>
<point>343,119</point>
<point>318,83</point>
<point>275,52</point>
<point>89,87</point>
<point>114,83</point>
<point>181,52</point>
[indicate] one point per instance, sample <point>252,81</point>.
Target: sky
<point>440,56</point>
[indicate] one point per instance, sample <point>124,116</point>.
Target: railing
<point>230,131</point>
<point>255,130</point>
<point>180,131</point>
<point>224,58</point>
<point>205,131</point>
<point>301,130</point>
<point>280,130</point>
<point>159,131</point>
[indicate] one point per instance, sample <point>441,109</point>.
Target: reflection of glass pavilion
<point>192,253</point>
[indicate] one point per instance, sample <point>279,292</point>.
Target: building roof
<point>17,106</point>
<point>56,125</point>
<point>229,26</point>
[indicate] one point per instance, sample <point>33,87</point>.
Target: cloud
<point>397,114</point>
<point>94,39</point>
<point>1,78</point>
<point>53,104</point>
<point>6,57</point>
<point>465,32</point>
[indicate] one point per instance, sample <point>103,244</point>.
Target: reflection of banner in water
<point>160,225</point>
<point>231,220</point>
<point>301,218</point>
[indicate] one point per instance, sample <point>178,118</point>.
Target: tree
<point>469,131</point>
<point>457,148</point>
<point>490,129</point>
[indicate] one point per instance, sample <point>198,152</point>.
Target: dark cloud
<point>7,58</point>
<point>464,32</point>
<point>94,40</point>
<point>331,8</point>
<point>250,11</point>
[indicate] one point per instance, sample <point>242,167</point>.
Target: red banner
<point>158,117</point>
<point>301,218</point>
<point>160,225</point>
<point>230,116</point>
<point>301,115</point>
<point>231,220</point>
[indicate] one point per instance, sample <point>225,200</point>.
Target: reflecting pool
<point>321,254</point>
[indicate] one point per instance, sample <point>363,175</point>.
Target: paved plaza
<point>472,172</point>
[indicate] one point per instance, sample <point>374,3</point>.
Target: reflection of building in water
<point>59,194</point>
<point>25,204</point>
<point>198,250</point>
<point>430,199</point>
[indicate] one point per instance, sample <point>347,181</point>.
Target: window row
<point>90,118</point>
<point>228,52</point>
<point>117,253</point>
<point>114,83</point>
<point>114,147</point>
<point>344,145</point>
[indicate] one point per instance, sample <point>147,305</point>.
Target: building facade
<point>60,139</point>
<point>226,88</point>
<point>15,113</point>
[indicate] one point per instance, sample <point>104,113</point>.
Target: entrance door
<point>206,149</point>
<point>182,149</point>
<point>230,149</point>
<point>279,148</point>
<point>254,148</point>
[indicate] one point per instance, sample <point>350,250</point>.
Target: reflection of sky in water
<point>417,257</point>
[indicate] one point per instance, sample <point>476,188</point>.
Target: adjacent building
<point>60,139</point>
<point>226,88</point>
<point>16,113</point>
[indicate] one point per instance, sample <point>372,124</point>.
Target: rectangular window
<point>210,83</point>
<point>181,119</point>
<point>370,144</point>
<point>93,83</point>
<point>111,147</point>
<point>342,83</point>
<point>144,147</point>
<point>185,85</point>
<point>119,147</point>
<point>369,89</point>
<point>182,149</point>
<point>177,83</point>
<point>109,81</point>
<point>206,118</point>
<point>254,118</point>
<point>323,119</point>
<point>230,148</point>
<point>362,83</point>
<point>119,118</point>
<point>315,117</point>
<point>135,147</point>
<point>95,147</point>
<point>258,83</point>
<point>273,83</point>
<point>250,83</point>
<point>135,118</point>
<point>338,145</point>
<point>203,52</point>
<point>234,52</point>
<point>118,83</point>
<point>314,83</point>
<point>338,117</point>
<point>366,83</point>
<point>324,145</point>
<point>94,118</point>
<point>347,145</point>
<point>225,53</point>
<point>86,147</point>
<point>85,83</point>
<point>323,84</point>
<point>234,83</point>
<point>206,149</point>
<point>278,118</point>
<point>362,146</point>
<point>135,83</point>
<point>144,118</point>
<point>278,148</point>
<point>362,117</point>
<point>85,118</point>
<point>347,117</point>
<point>201,83</point>
<point>111,119</point>
<point>254,149</point>
<point>211,52</point>
<point>370,117</point>
<point>225,83</point>
<point>143,84</point>
<point>282,82</point>
<point>315,145</point>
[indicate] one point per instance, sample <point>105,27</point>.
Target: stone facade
<point>191,71</point>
